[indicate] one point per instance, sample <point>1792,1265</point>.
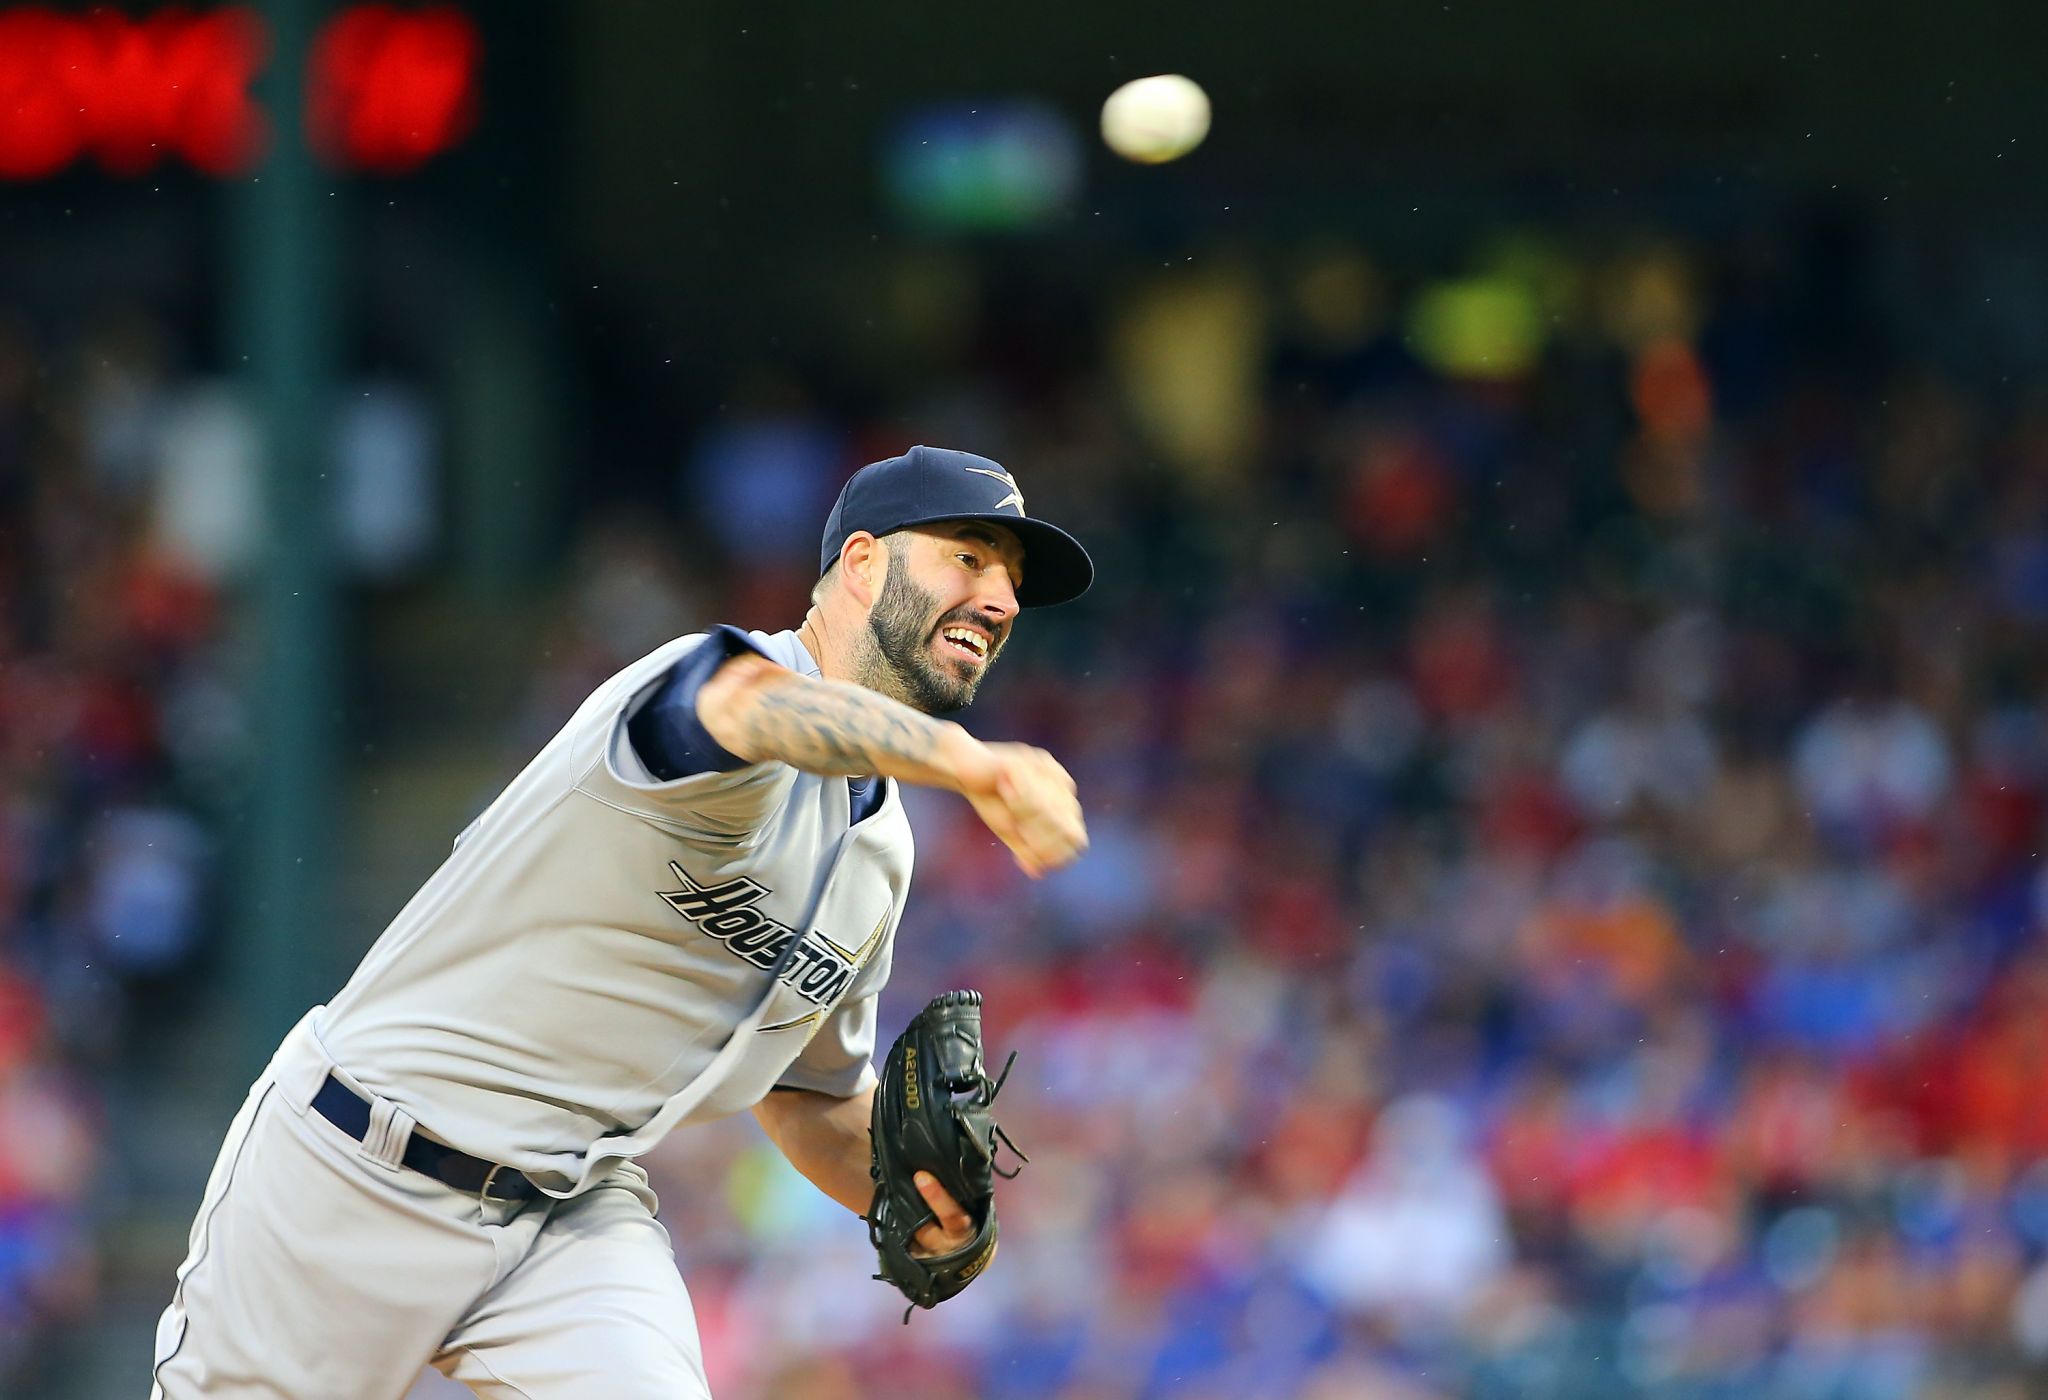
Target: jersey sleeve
<point>683,776</point>
<point>839,1060</point>
<point>663,728</point>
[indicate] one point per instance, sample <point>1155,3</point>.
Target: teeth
<point>971,640</point>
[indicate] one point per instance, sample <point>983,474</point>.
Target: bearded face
<point>910,656</point>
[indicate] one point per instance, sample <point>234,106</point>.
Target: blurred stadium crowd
<point>115,723</point>
<point>1565,761</point>
<point>1565,756</point>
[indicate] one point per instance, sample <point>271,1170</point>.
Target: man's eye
<point>969,560</point>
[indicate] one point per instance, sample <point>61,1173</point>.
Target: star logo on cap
<point>1015,498</point>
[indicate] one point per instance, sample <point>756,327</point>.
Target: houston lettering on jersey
<point>819,971</point>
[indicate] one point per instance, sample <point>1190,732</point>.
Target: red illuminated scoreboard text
<point>386,89</point>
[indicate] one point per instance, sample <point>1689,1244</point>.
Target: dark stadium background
<point>1561,716</point>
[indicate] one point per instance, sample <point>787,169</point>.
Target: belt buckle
<point>483,1192</point>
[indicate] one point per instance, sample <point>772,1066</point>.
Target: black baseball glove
<point>932,1114</point>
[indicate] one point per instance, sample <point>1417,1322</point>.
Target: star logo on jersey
<point>857,956</point>
<point>1015,498</point>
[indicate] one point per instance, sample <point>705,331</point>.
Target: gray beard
<point>895,656</point>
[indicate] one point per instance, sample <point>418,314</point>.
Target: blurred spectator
<point>1565,752</point>
<point>113,714</point>
<point>1418,1232</point>
<point>764,474</point>
<point>1566,916</point>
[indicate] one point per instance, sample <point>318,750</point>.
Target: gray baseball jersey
<point>549,998</point>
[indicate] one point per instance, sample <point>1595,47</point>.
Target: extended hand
<point>951,1231</point>
<point>1023,795</point>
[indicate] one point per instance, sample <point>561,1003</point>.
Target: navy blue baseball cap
<point>929,484</point>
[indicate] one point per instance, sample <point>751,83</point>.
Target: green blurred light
<point>1478,328</point>
<point>993,167</point>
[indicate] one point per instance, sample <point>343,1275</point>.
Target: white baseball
<point>1156,119</point>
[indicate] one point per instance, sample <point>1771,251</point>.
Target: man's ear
<point>863,565</point>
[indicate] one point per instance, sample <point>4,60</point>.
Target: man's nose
<point>998,600</point>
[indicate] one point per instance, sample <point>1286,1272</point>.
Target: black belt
<point>346,1110</point>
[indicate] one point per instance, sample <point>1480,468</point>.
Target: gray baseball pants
<point>320,1267</point>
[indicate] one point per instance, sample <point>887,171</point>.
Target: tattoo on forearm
<point>835,728</point>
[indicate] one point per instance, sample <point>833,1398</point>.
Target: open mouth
<point>965,642</point>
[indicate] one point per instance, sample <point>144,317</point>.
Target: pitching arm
<point>762,712</point>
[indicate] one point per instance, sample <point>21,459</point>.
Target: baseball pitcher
<point>683,907</point>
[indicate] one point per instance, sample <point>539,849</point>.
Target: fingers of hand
<point>952,1229</point>
<point>998,818</point>
<point>1057,771</point>
<point>1054,828</point>
<point>1033,809</point>
<point>1007,822</point>
<point>952,1215</point>
<point>1049,814</point>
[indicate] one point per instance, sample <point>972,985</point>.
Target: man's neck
<point>844,652</point>
<point>812,635</point>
